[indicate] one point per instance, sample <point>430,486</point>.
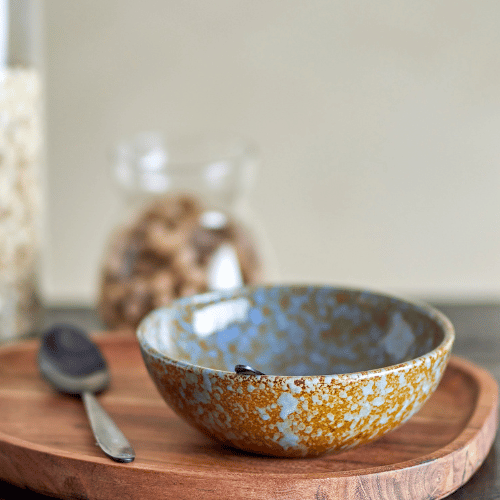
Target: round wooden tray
<point>46,443</point>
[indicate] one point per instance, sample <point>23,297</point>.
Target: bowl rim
<point>217,295</point>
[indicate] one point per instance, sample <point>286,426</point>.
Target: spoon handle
<point>108,436</point>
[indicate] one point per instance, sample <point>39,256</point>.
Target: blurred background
<point>377,127</point>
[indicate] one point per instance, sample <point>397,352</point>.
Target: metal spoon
<point>246,370</point>
<point>73,364</point>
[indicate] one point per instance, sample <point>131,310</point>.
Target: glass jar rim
<point>152,160</point>
<point>182,152</point>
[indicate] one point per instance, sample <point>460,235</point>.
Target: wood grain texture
<point>47,446</point>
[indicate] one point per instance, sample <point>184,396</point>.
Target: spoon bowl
<point>71,362</point>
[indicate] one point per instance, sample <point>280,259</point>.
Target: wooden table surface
<point>478,339</point>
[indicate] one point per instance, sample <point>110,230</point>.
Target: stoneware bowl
<point>341,367</point>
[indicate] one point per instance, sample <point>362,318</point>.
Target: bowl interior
<point>294,330</point>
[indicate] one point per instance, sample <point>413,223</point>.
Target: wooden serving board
<point>46,443</point>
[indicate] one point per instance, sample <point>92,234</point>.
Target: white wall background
<point>378,125</point>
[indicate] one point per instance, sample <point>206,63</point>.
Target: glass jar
<point>20,166</point>
<point>188,227</point>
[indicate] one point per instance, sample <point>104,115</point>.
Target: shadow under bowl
<point>342,366</point>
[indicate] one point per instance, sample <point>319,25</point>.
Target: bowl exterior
<point>297,416</point>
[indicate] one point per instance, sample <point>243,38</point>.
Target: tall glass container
<point>187,229</point>
<point>20,165</point>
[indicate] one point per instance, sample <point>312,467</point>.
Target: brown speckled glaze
<point>342,367</point>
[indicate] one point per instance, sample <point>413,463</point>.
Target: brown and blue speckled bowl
<point>342,367</point>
